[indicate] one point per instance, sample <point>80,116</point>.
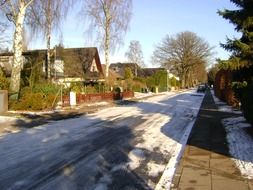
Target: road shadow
<point>71,154</point>
<point>208,132</point>
<point>100,157</point>
<point>33,120</point>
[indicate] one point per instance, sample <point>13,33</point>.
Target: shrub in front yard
<point>40,97</point>
<point>246,98</point>
<point>4,83</point>
<point>32,101</point>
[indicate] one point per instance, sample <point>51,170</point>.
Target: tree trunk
<point>48,53</point>
<point>183,79</point>
<point>107,40</point>
<point>17,47</point>
<point>48,37</point>
<point>107,64</point>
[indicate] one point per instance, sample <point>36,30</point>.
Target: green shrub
<point>138,86</point>
<point>245,95</point>
<point>90,90</point>
<point>41,97</point>
<point>4,83</point>
<point>33,101</point>
<point>77,87</point>
<point>46,88</point>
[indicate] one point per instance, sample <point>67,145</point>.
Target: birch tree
<point>134,53</point>
<point>15,11</point>
<point>110,19</point>
<point>45,17</point>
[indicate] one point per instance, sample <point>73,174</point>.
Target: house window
<point>44,66</point>
<point>116,69</point>
<point>93,67</point>
<point>58,67</point>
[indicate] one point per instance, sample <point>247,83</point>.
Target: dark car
<point>201,88</point>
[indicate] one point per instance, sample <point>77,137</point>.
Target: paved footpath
<point>206,163</point>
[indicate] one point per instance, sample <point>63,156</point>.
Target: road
<point>122,147</point>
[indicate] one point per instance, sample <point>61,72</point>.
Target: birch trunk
<point>107,40</point>
<point>107,64</point>
<point>48,36</point>
<point>48,53</point>
<point>17,47</point>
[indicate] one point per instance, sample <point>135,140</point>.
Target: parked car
<point>201,88</point>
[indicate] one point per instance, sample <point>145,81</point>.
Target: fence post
<point>72,97</point>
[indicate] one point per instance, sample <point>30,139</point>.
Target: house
<point>137,71</point>
<point>67,64</point>
<point>77,64</point>
<point>119,68</point>
<point>148,72</point>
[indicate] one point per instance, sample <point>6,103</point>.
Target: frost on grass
<point>240,144</point>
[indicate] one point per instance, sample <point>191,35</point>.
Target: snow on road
<point>137,142</point>
<point>239,139</point>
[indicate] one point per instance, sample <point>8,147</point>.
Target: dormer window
<point>93,67</point>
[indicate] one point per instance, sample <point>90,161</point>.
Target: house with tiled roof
<point>67,64</point>
<point>137,71</point>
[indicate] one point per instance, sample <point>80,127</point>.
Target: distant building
<point>148,72</point>
<point>137,71</point>
<point>119,68</point>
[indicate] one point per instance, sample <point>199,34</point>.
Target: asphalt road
<point>123,147</point>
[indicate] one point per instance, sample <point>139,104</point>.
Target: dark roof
<point>119,68</point>
<point>77,61</point>
<point>147,72</point>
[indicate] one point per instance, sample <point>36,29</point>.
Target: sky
<point>151,21</point>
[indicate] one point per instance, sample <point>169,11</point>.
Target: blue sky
<point>152,20</point>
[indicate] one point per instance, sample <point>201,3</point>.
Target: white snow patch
<point>4,119</point>
<point>155,169</point>
<point>135,156</point>
<point>162,133</point>
<point>142,95</point>
<point>95,104</point>
<point>240,144</point>
<point>222,106</point>
<point>165,181</point>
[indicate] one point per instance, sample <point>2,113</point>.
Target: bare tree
<point>135,54</point>
<point>45,17</point>
<point>110,18</point>
<point>16,12</point>
<point>182,54</point>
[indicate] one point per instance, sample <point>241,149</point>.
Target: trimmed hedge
<point>223,88</point>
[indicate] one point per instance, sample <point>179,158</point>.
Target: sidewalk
<point>206,163</point>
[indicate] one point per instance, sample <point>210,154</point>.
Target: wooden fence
<point>91,98</point>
